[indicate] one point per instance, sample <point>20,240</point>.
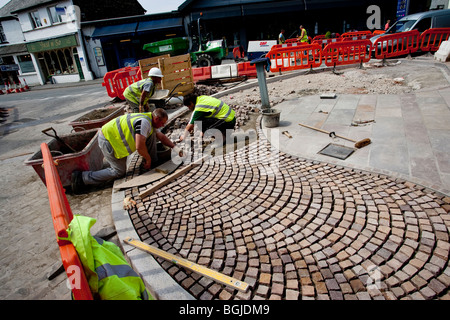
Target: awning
<point>13,49</point>
<point>160,24</point>
<point>126,29</point>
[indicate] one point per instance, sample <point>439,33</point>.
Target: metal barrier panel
<point>347,52</point>
<point>303,56</point>
<point>397,44</point>
<point>431,39</point>
<point>61,216</point>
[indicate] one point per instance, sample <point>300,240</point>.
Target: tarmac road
<point>29,252</point>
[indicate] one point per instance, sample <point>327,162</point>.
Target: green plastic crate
<point>172,46</point>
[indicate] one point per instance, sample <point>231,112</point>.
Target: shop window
<point>56,14</point>
<point>57,62</point>
<point>25,63</point>
<point>35,19</point>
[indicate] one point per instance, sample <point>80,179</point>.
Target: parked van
<point>418,21</point>
<point>422,21</point>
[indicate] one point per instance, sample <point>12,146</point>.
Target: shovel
<point>358,144</point>
<point>57,138</point>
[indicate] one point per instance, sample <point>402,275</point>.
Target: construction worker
<point>210,113</point>
<point>281,38</point>
<point>138,93</point>
<point>119,138</point>
<point>303,37</point>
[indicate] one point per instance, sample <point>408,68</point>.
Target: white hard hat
<point>155,72</point>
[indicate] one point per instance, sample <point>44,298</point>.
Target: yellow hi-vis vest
<point>120,133</point>
<point>305,37</point>
<point>134,91</point>
<point>219,109</point>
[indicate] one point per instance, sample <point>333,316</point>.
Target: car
<point>418,21</point>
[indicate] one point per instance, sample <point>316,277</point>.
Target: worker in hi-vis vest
<point>119,138</point>
<point>138,93</point>
<point>303,36</point>
<point>209,113</point>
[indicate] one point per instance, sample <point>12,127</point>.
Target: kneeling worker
<point>119,138</point>
<point>138,93</point>
<point>211,112</point>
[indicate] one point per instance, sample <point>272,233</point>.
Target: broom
<point>358,144</point>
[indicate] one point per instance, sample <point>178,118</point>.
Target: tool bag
<point>109,275</point>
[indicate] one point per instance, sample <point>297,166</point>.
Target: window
<point>423,25</point>
<point>25,63</point>
<point>56,14</point>
<point>57,62</point>
<point>35,19</point>
<point>2,35</point>
<point>442,21</point>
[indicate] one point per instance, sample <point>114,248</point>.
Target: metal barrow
<point>88,155</point>
<point>96,118</point>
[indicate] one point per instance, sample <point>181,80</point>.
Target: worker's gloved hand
<point>178,151</point>
<point>128,203</point>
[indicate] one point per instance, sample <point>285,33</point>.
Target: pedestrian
<point>209,113</point>
<point>281,38</point>
<point>302,36</point>
<point>386,26</point>
<point>137,94</point>
<point>119,138</point>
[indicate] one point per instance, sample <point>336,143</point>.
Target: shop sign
<point>9,67</point>
<point>58,43</point>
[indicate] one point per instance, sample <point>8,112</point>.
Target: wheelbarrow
<point>87,155</point>
<point>162,97</point>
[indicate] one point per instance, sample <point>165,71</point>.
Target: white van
<point>422,21</point>
<point>418,21</point>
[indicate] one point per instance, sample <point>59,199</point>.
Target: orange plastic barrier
<point>301,56</point>
<point>347,52</point>
<point>397,44</point>
<point>357,35</point>
<point>245,69</point>
<point>108,80</point>
<point>377,32</point>
<point>431,39</point>
<point>123,79</point>
<point>199,74</point>
<point>61,216</point>
<point>297,40</point>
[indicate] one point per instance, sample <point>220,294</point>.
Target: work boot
<point>77,182</point>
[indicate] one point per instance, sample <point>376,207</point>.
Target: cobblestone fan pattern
<point>298,229</point>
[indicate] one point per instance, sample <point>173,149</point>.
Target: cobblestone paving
<point>298,229</point>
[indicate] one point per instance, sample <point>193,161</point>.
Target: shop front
<point>58,59</point>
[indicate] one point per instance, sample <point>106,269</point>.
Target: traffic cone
<point>8,88</point>
<point>21,89</point>
<point>16,90</point>
<point>26,87</point>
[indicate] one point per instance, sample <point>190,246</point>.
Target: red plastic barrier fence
<point>302,56</point>
<point>397,44</point>
<point>347,52</point>
<point>323,42</point>
<point>357,35</point>
<point>245,69</point>
<point>108,80</point>
<point>431,39</point>
<point>61,216</point>
<point>378,32</point>
<point>199,74</point>
<point>123,79</point>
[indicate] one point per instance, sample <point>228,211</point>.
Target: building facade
<point>43,42</point>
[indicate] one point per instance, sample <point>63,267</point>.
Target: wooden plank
<point>147,64</point>
<point>177,59</point>
<point>171,177</point>
<point>150,176</point>
<point>179,261</point>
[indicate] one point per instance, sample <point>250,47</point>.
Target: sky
<point>152,6</point>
